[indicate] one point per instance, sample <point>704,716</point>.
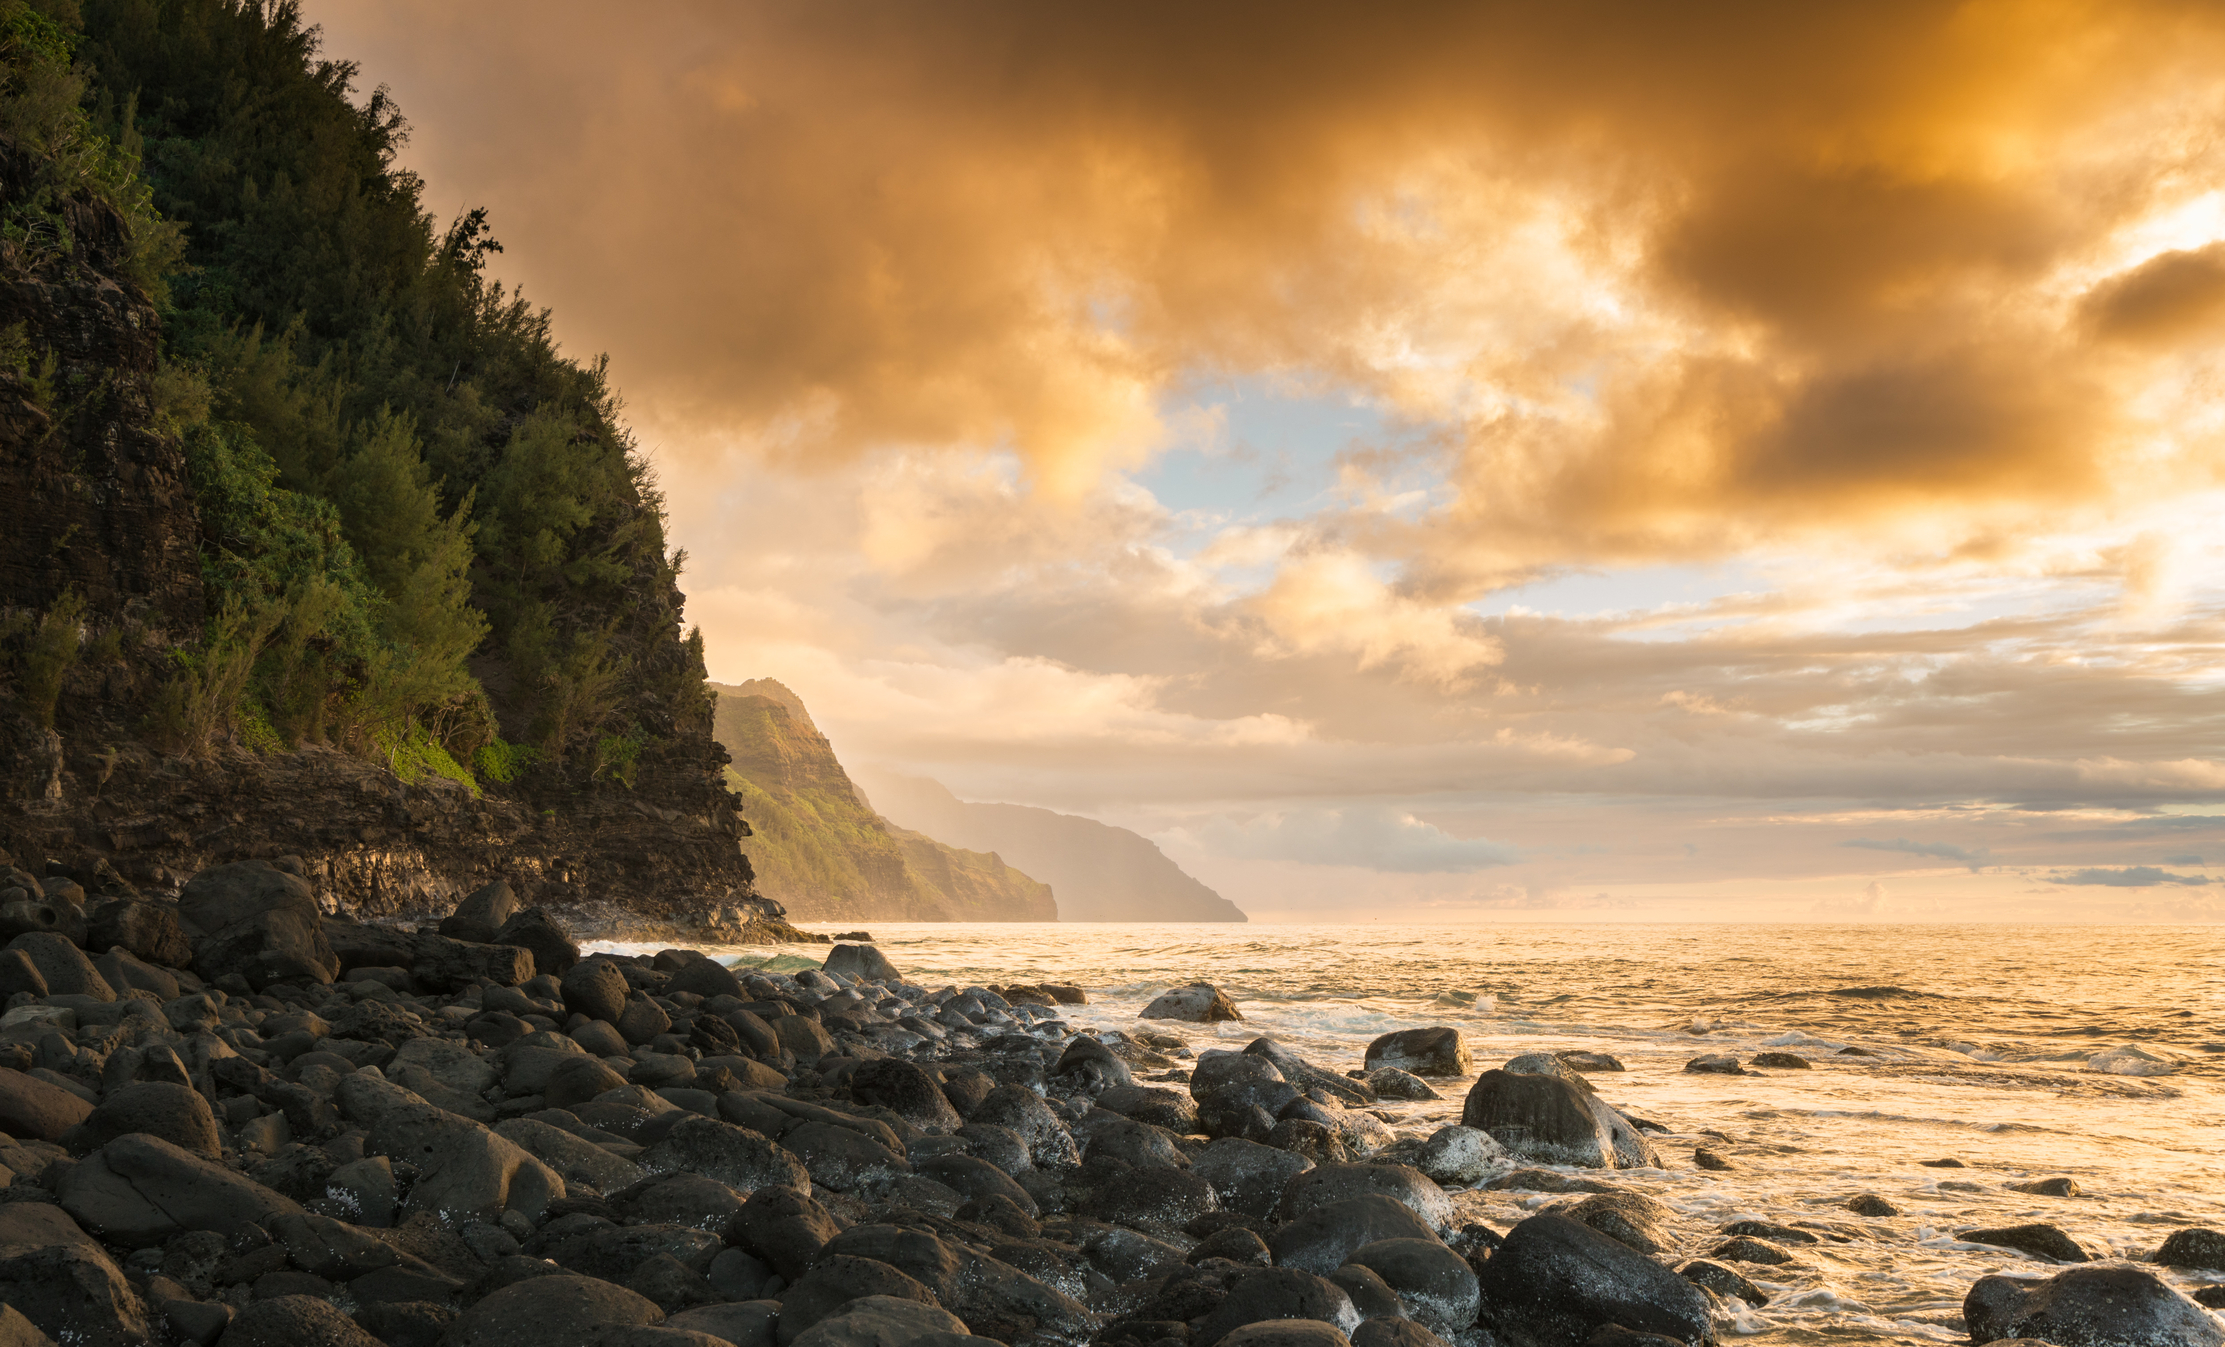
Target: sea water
<point>2096,1054</point>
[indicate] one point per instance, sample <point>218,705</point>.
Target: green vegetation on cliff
<point>425,535</point>
<point>818,847</point>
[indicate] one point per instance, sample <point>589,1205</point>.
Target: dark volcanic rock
<point>1553,1120</point>
<point>2088,1307</point>
<point>595,988</point>
<point>861,961</point>
<point>735,1156</point>
<point>545,1311</point>
<point>1271,1294</point>
<point>1438,1285</point>
<point>1436,1051</point>
<point>63,1282</point>
<point>257,921</point>
<point>834,1282</point>
<point>786,1228</point>
<point>2195,1248</point>
<point>2045,1240</point>
<point>480,916</point>
<point>139,1190</point>
<point>1722,1281</point>
<point>62,966</point>
<point>538,931</point>
<point>149,930</point>
<point>1323,1237</point>
<point>33,1109</point>
<point>1247,1176</point>
<point>174,1113</point>
<point>294,1321</point>
<point>906,1090</point>
<point>1198,1003</point>
<point>1555,1281</point>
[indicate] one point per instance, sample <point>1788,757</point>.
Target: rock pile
<point>240,1122</point>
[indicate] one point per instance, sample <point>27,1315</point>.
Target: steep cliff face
<point>107,633</point>
<point>1100,873</point>
<point>820,850</point>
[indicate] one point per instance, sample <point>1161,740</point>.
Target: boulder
<point>465,1172</point>
<point>1554,1120</point>
<point>1722,1281</point>
<point>2114,1306</point>
<point>63,1283</point>
<point>140,1190</point>
<point>884,1321</point>
<point>1268,1295</point>
<point>257,921</point>
<point>62,966</point>
<point>994,1299</point>
<point>294,1321</point>
<point>595,988</point>
<point>735,1156</point>
<point>1389,1082</point>
<point>546,1311</point>
<point>707,978</point>
<point>30,910</point>
<point>1554,1282</point>
<point>1239,1094</point>
<point>1633,1218</point>
<point>1436,1051</point>
<point>553,949</point>
<point>1394,1333</point>
<point>576,1159</point>
<point>863,962</point>
<point>17,1331</point>
<point>479,917</point>
<point>19,974</point>
<point>32,1109</point>
<point>786,1227</point>
<point>2194,1247</point>
<point>1404,1185</point>
<point>1436,1285</point>
<point>2040,1239</point>
<point>1023,1111</point>
<point>837,1281</point>
<point>907,1091</point>
<point>150,931</point>
<point>163,1109</point>
<point>1463,1156</point>
<point>127,972</point>
<point>1247,1176</point>
<point>1323,1238</point>
<point>1151,1198</point>
<point>1198,1003</point>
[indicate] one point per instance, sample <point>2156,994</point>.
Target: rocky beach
<point>238,1120</point>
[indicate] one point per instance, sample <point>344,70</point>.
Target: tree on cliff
<point>425,532</point>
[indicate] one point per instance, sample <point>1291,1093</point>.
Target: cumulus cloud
<point>2128,877</point>
<point>1975,860</point>
<point>1376,838</point>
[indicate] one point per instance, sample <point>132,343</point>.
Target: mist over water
<point>2093,1053</point>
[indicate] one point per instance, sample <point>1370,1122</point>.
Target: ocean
<point>2095,1053</point>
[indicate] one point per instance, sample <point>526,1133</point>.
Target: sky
<point>1467,462</point>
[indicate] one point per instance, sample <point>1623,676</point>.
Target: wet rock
<point>1722,1281</point>
<point>1555,1281</point>
<point>735,1156</point>
<point>138,1191</point>
<point>2061,1187</point>
<point>1239,1094</point>
<point>1155,1199</point>
<point>1462,1155</point>
<point>479,917</point>
<point>1703,1158</point>
<point>1024,1113</point>
<point>61,1281</point>
<point>174,1113</point>
<point>465,1171</point>
<point>1371,1296</point>
<point>544,936</point>
<point>1576,1059</point>
<point>1198,1003</point>
<point>1747,1249</point>
<point>786,1227</point>
<point>2194,1247</point>
<point>1389,1082</point>
<point>2045,1241</point>
<point>1324,1237</point>
<point>1326,1184</point>
<point>2088,1307</point>
<point>1438,1286</point>
<point>1870,1204</point>
<point>549,1310</point>
<point>63,966</point>
<point>886,1321</point>
<point>1770,1230</point>
<point>1109,1134</point>
<point>1155,1105</point>
<point>1949,1163</point>
<point>1248,1177</point>
<point>1632,1218</point>
<point>907,1091</point>
<point>976,1181</point>
<point>1435,1051</point>
<point>595,988</point>
<point>862,961</point>
<point>1554,1120</point>
<point>1716,1064</point>
<point>1277,1294</point>
<point>261,923</point>
<point>35,1110</point>
<point>1782,1061</point>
